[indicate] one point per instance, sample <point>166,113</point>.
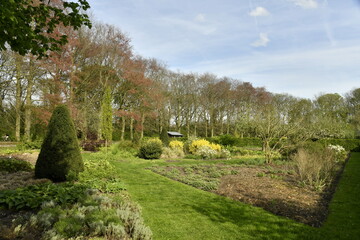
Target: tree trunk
<point>123,123</point>
<point>18,102</point>
<point>28,105</point>
<point>142,126</point>
<point>131,128</point>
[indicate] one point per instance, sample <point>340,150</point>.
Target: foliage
<point>175,144</point>
<point>100,174</point>
<point>151,149</point>
<point>228,140</point>
<point>31,197</point>
<point>92,145</point>
<point>94,216</point>
<point>352,145</point>
<point>106,116</point>
<point>241,151</point>
<point>196,145</point>
<point>170,153</point>
<point>224,154</point>
<point>59,158</point>
<point>14,165</point>
<point>316,166</point>
<point>205,152</point>
<point>29,145</point>
<point>27,27</point>
<point>200,176</point>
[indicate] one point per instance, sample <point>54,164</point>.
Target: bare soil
<point>279,193</point>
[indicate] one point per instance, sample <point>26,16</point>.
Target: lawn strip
<point>177,211</point>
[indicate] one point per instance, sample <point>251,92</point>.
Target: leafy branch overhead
<point>30,26</point>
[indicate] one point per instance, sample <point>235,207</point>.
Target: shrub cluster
<point>95,216</point>
<point>317,165</point>
<point>151,149</point>
<point>196,145</point>
<point>14,165</point>
<point>92,145</point>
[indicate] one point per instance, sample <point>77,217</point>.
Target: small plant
<point>14,165</point>
<point>151,149</point>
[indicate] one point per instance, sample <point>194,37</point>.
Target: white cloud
<point>259,12</point>
<point>262,41</point>
<point>307,4</point>
<point>200,18</point>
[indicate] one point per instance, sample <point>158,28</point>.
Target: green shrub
<point>31,197</point>
<point>14,165</point>
<point>152,149</point>
<point>95,217</point>
<point>247,142</point>
<point>29,145</point>
<point>228,140</point>
<point>169,153</point>
<point>59,158</point>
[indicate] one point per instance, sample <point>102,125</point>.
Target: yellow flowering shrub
<point>197,144</point>
<point>176,145</point>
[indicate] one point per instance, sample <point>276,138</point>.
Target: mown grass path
<point>177,211</point>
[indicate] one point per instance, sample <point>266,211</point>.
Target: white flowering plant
<point>339,151</point>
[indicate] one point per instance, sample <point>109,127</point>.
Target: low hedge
<point>352,145</point>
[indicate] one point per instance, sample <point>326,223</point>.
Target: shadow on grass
<point>251,221</point>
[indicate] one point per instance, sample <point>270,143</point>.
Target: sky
<point>301,47</point>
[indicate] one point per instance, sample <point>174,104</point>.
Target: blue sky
<point>300,47</point>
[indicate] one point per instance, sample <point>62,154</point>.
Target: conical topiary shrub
<point>60,157</point>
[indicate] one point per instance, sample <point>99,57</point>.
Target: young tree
<point>59,158</point>
<point>106,117</point>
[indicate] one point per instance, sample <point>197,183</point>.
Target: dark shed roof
<point>174,134</point>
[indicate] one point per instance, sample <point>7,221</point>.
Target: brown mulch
<point>276,193</point>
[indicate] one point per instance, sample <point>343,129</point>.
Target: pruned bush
<point>151,149</point>
<point>60,157</point>
<point>14,165</point>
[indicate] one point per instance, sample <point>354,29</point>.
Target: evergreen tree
<point>60,157</point>
<point>106,116</point>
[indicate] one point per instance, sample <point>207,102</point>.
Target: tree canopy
<point>30,26</point>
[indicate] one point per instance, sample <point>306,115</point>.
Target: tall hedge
<point>60,157</point>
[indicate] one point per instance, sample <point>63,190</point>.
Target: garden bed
<point>275,188</point>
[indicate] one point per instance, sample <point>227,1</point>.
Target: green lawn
<point>177,211</point>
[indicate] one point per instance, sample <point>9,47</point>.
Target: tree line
<point>97,70</point>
